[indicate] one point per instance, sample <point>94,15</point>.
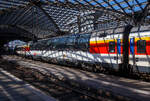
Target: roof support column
<point>124,67</point>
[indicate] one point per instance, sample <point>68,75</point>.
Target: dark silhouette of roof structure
<point>48,18</point>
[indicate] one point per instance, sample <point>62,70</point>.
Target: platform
<point>14,89</point>
<point>132,89</point>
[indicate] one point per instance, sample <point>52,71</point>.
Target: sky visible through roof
<point>61,13</point>
<point>126,6</point>
<point>136,5</point>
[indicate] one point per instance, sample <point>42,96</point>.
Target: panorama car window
<point>83,42</point>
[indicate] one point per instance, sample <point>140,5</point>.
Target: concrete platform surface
<point>14,89</point>
<point>133,89</point>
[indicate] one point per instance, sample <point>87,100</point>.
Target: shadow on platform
<point>14,89</point>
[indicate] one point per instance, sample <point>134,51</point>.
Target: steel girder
<point>46,17</point>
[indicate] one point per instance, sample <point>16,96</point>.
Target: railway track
<point>50,84</point>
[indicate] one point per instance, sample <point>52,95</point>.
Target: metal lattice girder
<point>26,17</point>
<point>9,5</point>
<point>119,6</point>
<point>61,15</point>
<point>57,15</point>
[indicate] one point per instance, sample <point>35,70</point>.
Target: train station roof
<point>47,18</point>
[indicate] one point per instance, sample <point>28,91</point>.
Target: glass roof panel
<point>105,5</point>
<point>93,3</point>
<point>50,0</point>
<point>141,1</point>
<point>72,1</point>
<point>112,2</point>
<point>61,12</point>
<point>82,1</point>
<point>143,6</point>
<point>61,0</point>
<point>116,7</point>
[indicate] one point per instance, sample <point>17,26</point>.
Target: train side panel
<point>105,50</point>
<point>108,50</point>
<point>140,53</point>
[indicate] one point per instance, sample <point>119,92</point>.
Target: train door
<point>118,60</point>
<point>132,52</point>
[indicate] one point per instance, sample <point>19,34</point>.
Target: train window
<point>61,43</point>
<point>35,46</point>
<point>49,42</point>
<point>141,46</point>
<point>111,46</point>
<point>83,42</point>
<point>44,45</point>
<point>53,44</point>
<point>70,42</point>
<point>31,47</point>
<point>38,45</point>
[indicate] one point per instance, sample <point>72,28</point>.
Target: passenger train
<point>92,51</point>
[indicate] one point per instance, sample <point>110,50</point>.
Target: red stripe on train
<point>103,48</point>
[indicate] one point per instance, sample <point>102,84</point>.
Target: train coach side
<point>105,51</point>
<point>140,51</point>
<point>109,50</point>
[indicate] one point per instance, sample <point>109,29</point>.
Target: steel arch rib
<point>49,17</point>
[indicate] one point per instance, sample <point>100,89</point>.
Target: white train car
<point>94,50</point>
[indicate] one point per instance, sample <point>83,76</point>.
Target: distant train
<point>92,51</point>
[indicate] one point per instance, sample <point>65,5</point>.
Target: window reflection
<point>73,42</point>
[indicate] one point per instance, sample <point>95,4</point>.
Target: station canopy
<point>49,18</point>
